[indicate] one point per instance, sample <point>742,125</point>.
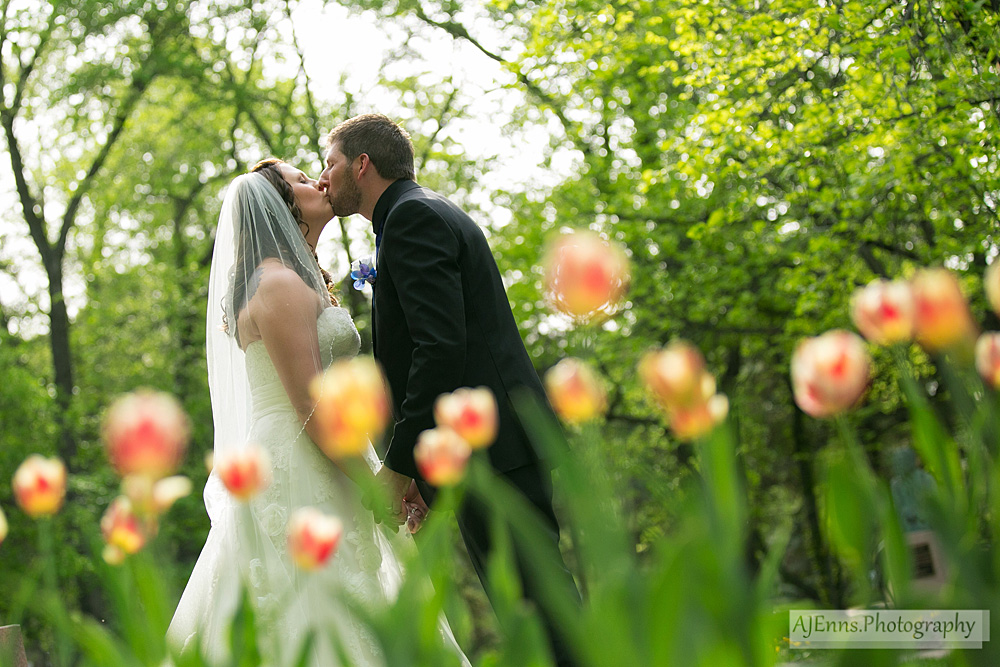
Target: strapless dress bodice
<point>338,339</point>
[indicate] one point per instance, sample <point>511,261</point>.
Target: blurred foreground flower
<point>884,311</point>
<point>352,406</point>
<point>988,358</point>
<point>3,526</point>
<point>245,472</point>
<point>441,456</point>
<point>575,391</point>
<point>313,537</point>
<point>146,432</point>
<point>153,498</point>
<point>40,485</point>
<point>991,281</point>
<point>472,413</point>
<point>676,377</point>
<point>943,319</point>
<point>121,527</point>
<point>586,277</point>
<point>829,372</point>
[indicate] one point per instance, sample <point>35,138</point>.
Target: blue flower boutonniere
<point>363,271</point>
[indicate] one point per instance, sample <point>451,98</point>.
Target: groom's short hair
<point>387,145</point>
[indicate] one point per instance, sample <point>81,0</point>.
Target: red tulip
<point>829,372</point>
<point>676,376</point>
<point>40,485</point>
<point>352,406</point>
<point>988,358</point>
<point>313,537</point>
<point>586,276</point>
<point>121,528</point>
<point>146,433</point>
<point>692,422</point>
<point>245,472</point>
<point>441,456</point>
<point>472,413</point>
<point>943,319</point>
<point>575,391</point>
<point>884,311</point>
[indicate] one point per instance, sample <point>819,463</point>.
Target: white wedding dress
<point>247,543</point>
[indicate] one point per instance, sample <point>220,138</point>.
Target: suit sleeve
<point>423,253</point>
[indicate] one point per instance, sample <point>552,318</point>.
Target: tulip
<point>676,376</point>
<point>313,537</point>
<point>988,358</point>
<point>690,423</point>
<point>352,406</point>
<point>884,311</point>
<point>575,391</point>
<point>112,555</point>
<point>441,456</point>
<point>121,528</point>
<point>585,275</point>
<point>3,526</point>
<point>146,433</point>
<point>40,485</point>
<point>829,372</point>
<point>472,413</point>
<point>991,281</point>
<point>245,472</point>
<point>943,319</point>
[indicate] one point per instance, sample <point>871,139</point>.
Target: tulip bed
<point>694,598</point>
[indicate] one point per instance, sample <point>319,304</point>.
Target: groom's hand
<point>388,506</point>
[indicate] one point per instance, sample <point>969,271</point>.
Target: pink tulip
<point>676,376</point>
<point>313,537</point>
<point>352,406</point>
<point>472,413</point>
<point>575,391</point>
<point>586,276</point>
<point>40,485</point>
<point>146,433</point>
<point>991,281</point>
<point>693,422</point>
<point>121,528</point>
<point>884,311</point>
<point>245,472</point>
<point>441,456</point>
<point>943,319</point>
<point>988,358</point>
<point>829,372</point>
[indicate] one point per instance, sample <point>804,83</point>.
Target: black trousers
<point>535,484</point>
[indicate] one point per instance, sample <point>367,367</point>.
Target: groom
<point>440,321</point>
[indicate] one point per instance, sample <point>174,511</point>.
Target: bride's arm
<point>284,312</point>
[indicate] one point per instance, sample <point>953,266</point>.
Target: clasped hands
<point>396,500</point>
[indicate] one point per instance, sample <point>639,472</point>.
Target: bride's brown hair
<point>269,168</point>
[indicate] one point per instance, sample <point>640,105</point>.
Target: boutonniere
<point>363,271</point>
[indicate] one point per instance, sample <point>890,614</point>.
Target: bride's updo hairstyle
<point>269,169</point>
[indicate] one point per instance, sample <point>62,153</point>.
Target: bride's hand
<point>416,508</point>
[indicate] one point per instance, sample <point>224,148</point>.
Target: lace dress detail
<point>288,603</point>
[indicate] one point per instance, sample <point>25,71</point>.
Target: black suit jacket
<point>441,321</point>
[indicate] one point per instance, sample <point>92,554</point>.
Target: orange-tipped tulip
<point>988,358</point>
<point>3,526</point>
<point>40,485</point>
<point>441,456</point>
<point>991,281</point>
<point>245,472</point>
<point>829,372</point>
<point>676,376</point>
<point>586,276</point>
<point>884,311</point>
<point>313,537</point>
<point>575,391</point>
<point>692,422</point>
<point>121,528</point>
<point>472,413</point>
<point>146,433</point>
<point>943,319</point>
<point>352,406</point>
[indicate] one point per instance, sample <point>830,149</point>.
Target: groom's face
<point>339,183</point>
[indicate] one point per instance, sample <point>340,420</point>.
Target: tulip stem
<point>51,584</point>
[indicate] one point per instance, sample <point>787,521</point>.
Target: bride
<point>272,326</point>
